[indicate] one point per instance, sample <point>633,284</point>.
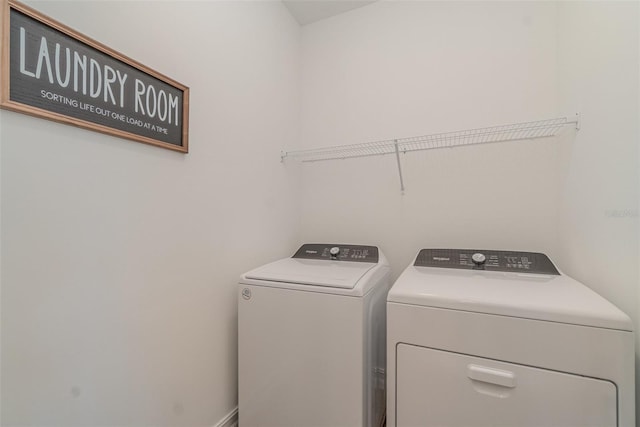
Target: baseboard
<point>229,420</point>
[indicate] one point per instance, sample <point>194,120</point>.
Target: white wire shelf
<point>503,133</point>
<point>511,132</point>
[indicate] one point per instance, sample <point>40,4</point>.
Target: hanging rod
<point>511,132</point>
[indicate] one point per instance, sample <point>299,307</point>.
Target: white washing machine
<point>496,338</point>
<point>312,338</point>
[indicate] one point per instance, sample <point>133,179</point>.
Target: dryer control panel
<point>338,252</point>
<point>486,259</point>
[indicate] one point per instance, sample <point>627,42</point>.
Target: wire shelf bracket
<point>511,132</point>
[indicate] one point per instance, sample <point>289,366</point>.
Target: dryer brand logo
<point>440,258</point>
<point>246,293</point>
<point>310,252</point>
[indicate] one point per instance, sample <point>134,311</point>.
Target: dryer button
<point>478,258</point>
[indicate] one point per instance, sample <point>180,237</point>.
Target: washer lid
<point>556,298</point>
<point>333,274</point>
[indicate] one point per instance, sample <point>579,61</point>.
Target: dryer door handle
<point>491,376</point>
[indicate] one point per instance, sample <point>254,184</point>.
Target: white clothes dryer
<point>312,338</point>
<point>498,338</point>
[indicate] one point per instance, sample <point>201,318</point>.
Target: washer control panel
<point>486,259</point>
<point>338,252</point>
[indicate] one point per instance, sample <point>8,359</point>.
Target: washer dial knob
<point>478,258</point>
<point>334,251</point>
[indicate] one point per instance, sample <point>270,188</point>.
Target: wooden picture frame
<point>51,71</point>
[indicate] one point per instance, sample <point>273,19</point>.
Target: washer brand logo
<point>246,293</point>
<point>311,252</point>
<point>440,258</point>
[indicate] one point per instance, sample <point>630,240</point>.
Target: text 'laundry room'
<point>315,213</point>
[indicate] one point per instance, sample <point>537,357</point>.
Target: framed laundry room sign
<point>53,72</point>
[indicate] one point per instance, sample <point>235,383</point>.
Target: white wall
<point>598,69</point>
<point>119,260</point>
<point>400,69</point>
<point>397,69</point>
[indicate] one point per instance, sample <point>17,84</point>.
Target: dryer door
<point>441,388</point>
